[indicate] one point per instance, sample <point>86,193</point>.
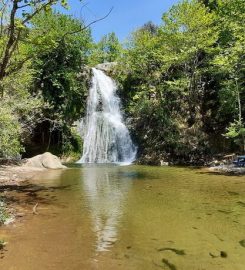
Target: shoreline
<point>12,178</point>
<point>16,174</point>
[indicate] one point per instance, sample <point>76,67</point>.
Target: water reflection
<point>106,193</point>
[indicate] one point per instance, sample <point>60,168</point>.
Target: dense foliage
<point>108,49</point>
<point>60,58</point>
<point>44,83</point>
<point>183,82</point>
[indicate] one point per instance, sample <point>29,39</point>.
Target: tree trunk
<point>10,43</point>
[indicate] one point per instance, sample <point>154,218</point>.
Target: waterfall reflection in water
<point>106,199</point>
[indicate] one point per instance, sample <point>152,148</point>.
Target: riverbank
<point>16,192</point>
<point>228,169</point>
<point>26,169</point>
<point>13,180</point>
<point>14,174</point>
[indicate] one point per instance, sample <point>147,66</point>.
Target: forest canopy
<point>181,82</point>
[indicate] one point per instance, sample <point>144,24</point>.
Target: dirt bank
<point>12,175</point>
<point>28,168</point>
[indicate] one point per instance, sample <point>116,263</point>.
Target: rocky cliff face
<point>108,67</point>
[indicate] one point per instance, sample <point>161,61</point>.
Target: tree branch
<point>10,42</point>
<point>17,66</point>
<point>29,4</point>
<point>30,16</point>
<point>88,25</point>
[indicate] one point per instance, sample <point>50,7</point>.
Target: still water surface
<point>129,217</point>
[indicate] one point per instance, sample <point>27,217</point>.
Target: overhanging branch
<point>88,25</point>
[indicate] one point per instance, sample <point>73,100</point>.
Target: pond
<point>128,217</point>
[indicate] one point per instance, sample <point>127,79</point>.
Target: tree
<point>59,59</point>
<point>59,56</point>
<point>150,27</point>
<point>211,4</point>
<point>15,15</point>
<point>108,49</point>
<point>190,32</point>
<point>230,63</point>
<point>165,78</point>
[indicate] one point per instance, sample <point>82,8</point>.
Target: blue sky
<point>126,16</point>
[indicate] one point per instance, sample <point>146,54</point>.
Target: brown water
<point>132,217</point>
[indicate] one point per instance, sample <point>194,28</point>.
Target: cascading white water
<point>106,138</point>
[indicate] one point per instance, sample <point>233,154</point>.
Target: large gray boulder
<point>46,160</point>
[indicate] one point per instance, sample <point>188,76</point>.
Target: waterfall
<point>106,138</point>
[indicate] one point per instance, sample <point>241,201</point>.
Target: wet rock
<point>223,254</point>
<point>164,163</point>
<point>46,160</point>
<point>228,169</point>
<point>242,243</point>
<point>214,163</point>
<point>106,67</point>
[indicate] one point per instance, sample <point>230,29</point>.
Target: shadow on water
<point>29,193</point>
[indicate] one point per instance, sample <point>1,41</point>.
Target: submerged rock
<point>242,243</point>
<point>46,160</point>
<point>223,254</point>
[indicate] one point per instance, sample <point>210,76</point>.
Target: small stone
<point>242,243</point>
<point>223,254</point>
<point>19,214</point>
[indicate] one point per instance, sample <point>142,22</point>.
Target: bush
<point>10,146</point>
